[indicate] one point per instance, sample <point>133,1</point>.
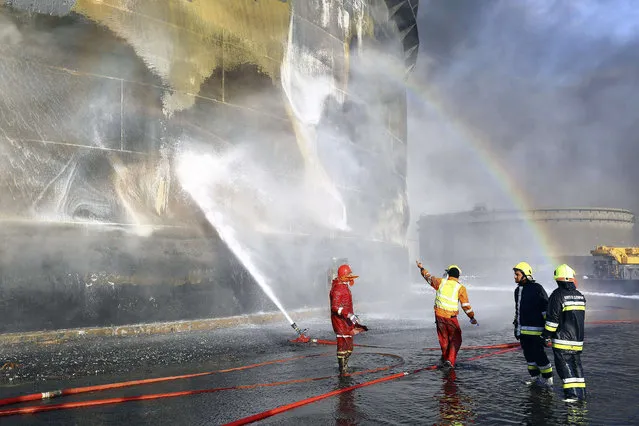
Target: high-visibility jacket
<point>566,317</point>
<point>450,292</point>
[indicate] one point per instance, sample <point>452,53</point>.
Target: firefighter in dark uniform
<point>564,329</point>
<point>531,302</point>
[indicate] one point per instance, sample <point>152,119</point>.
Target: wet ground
<point>486,391</point>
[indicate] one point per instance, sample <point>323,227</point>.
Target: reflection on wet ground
<point>489,390</point>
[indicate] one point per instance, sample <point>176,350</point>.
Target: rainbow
<point>479,145</point>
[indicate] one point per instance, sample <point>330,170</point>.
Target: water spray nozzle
<point>302,333</point>
<point>299,331</point>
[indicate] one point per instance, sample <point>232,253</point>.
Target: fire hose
<point>296,404</point>
<point>98,388</point>
<point>144,397</point>
<point>463,348</point>
<point>507,347</point>
<point>503,348</point>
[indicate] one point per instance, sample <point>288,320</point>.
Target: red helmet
<point>344,273</point>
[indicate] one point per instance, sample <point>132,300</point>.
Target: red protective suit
<point>341,307</point>
<point>450,338</point>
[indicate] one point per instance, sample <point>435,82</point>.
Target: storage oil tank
<point>487,240</point>
<point>99,99</point>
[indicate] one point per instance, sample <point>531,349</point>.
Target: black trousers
<point>538,363</point>
<point>568,364</point>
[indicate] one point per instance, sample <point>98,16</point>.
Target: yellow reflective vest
<point>447,298</point>
<point>450,292</point>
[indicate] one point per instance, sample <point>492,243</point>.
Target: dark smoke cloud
<point>552,87</point>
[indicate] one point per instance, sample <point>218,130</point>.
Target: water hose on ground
<point>507,347</point>
<point>97,388</point>
<point>296,404</point>
<point>145,397</point>
<point>334,343</point>
<point>471,348</point>
<point>503,348</point>
<point>622,321</point>
<point>463,348</point>
<point>305,339</point>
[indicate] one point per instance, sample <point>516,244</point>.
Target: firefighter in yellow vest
<point>450,293</point>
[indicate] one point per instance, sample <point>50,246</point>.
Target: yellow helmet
<point>453,266</point>
<point>524,267</point>
<point>564,273</point>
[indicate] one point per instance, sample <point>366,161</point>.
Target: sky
<point>549,89</point>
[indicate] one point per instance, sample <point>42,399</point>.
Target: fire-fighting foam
<point>190,171</point>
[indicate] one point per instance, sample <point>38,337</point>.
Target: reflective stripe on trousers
<point>344,345</point>
<point>568,366</point>
<point>535,354</point>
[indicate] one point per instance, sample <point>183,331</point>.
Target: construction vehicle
<point>616,263</point>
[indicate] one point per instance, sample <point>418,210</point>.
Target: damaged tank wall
<point>98,96</point>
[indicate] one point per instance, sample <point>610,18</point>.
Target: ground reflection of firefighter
<point>540,409</point>
<point>345,322</point>
<point>453,409</point>
<point>577,414</point>
<point>346,412</point>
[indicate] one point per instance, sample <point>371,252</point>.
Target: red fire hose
<point>93,403</point>
<point>622,321</point>
<point>503,348</point>
<point>296,404</point>
<point>470,348</point>
<point>334,343</point>
<point>97,388</point>
<point>463,348</point>
<point>506,347</point>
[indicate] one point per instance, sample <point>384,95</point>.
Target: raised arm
<point>434,282</point>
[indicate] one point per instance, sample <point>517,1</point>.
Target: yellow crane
<point>616,263</point>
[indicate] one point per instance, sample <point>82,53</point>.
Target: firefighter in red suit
<point>345,322</point>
